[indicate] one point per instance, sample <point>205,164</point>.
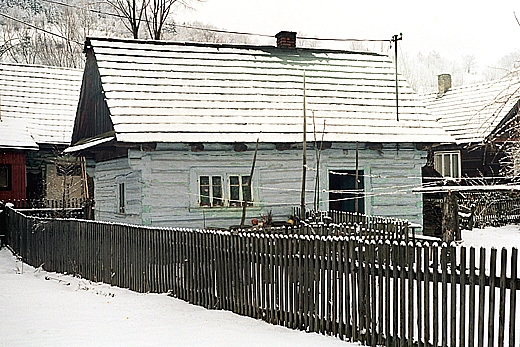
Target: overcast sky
<point>486,29</point>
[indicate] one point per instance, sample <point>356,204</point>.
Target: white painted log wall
<point>166,180</point>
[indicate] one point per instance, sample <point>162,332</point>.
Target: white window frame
<point>214,200</point>
<point>241,199</point>
<point>226,178</point>
<point>439,163</point>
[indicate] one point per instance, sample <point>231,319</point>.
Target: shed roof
<point>14,135</point>
<point>45,98</point>
<point>471,113</point>
<point>188,92</point>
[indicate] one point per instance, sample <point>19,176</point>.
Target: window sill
<point>223,208</point>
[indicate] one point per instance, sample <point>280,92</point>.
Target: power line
<point>222,31</point>
<point>39,29</point>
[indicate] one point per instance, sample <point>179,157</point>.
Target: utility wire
<point>39,29</point>
<point>222,31</point>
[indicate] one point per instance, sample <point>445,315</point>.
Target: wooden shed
<point>172,127</point>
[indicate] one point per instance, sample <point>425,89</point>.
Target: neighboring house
<point>45,100</point>
<point>172,129</point>
<point>482,118</point>
<point>15,142</point>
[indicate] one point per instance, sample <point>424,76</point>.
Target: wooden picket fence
<point>490,208</point>
<point>373,291</point>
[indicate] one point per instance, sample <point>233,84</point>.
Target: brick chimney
<point>286,39</point>
<point>444,83</point>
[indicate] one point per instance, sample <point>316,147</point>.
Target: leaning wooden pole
<point>304,159</point>
<point>243,219</point>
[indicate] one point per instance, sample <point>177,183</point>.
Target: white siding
<point>108,176</point>
<point>169,189</point>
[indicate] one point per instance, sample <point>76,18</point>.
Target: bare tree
<point>469,61</point>
<point>132,12</point>
<point>154,13</point>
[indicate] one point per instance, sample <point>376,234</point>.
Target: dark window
<point>122,198</point>
<point>5,177</point>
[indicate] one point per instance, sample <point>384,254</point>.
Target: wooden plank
<point>419,296</point>
<point>329,285</point>
<point>502,298</point>
<point>348,294</point>
<point>353,246</point>
<point>388,313</point>
<point>453,294</point>
<point>512,297</point>
<point>471,299</point>
<point>435,279</point>
<point>380,293</point>
<point>340,251</point>
<point>374,302</point>
<point>462,301</point>
<point>491,301</point>
<point>403,257</point>
<point>481,296</point>
<point>411,274</point>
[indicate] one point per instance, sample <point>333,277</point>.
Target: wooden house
<point>15,142</point>
<point>482,118</point>
<point>45,100</point>
<point>172,128</point>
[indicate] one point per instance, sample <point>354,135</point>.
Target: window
<point>239,191</point>
<point>5,177</point>
<point>212,192</point>
<point>448,164</point>
<point>121,195</point>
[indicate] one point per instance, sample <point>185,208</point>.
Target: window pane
<point>455,165</point>
<point>446,169</point>
<point>234,191</point>
<point>204,190</point>
<point>246,190</point>
<point>217,191</point>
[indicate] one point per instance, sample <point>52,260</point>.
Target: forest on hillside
<point>52,32</point>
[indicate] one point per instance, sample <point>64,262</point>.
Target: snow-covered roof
<point>188,92</point>
<point>45,98</point>
<point>471,113</point>
<point>14,135</point>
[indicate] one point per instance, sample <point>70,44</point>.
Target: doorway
<point>342,191</point>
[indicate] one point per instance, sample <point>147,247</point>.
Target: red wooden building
<point>15,141</point>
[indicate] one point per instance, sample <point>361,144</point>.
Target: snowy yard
<point>47,309</point>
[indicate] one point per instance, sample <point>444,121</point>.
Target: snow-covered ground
<point>38,308</point>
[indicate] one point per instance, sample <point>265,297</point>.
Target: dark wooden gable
<point>93,115</point>
<point>507,129</point>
